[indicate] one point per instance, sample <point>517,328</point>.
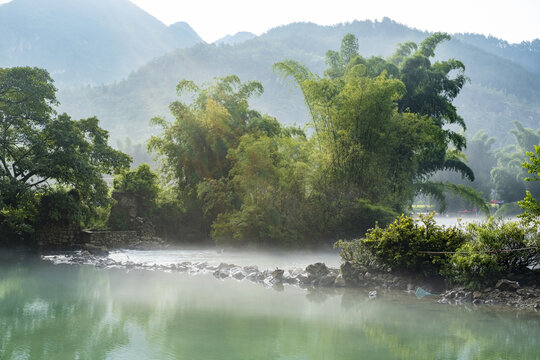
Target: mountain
<point>526,54</point>
<point>501,88</point>
<point>85,41</point>
<point>237,38</point>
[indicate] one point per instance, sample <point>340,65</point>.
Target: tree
<point>38,148</point>
<point>142,182</point>
<point>382,122</point>
<point>269,182</point>
<point>194,148</point>
<point>530,204</point>
<point>509,174</point>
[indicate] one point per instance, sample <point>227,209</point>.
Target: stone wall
<point>110,239</point>
<point>58,236</point>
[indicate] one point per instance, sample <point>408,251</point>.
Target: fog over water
<point>215,256</point>
<point>261,258</point>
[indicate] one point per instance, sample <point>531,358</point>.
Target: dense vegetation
<point>499,174</point>
<point>50,165</point>
<point>379,133</point>
<point>476,255</point>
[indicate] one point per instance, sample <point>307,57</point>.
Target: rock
<point>278,275</point>
<point>317,270</point>
<point>221,273</point>
<point>348,273</point>
<point>477,302</point>
<point>303,279</point>
<point>96,250</point>
<point>251,269</point>
<point>238,273</point>
<point>372,294</point>
<point>507,285</point>
<point>254,276</point>
<point>476,295</point>
<point>327,280</point>
<point>340,282</point>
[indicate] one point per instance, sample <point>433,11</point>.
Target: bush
<point>407,245</point>
<point>143,183</point>
<point>493,251</point>
<point>60,206</point>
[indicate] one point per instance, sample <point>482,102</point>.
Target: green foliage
<point>495,249</point>
<point>60,206</point>
<point>143,184</point>
<point>38,148</point>
<point>405,245</point>
<point>381,122</point>
<point>197,150</point>
<point>269,181</point>
<point>508,210</point>
<point>476,256</point>
<point>509,175</point>
<point>195,146</point>
<point>530,204</point>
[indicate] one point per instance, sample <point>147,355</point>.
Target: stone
<point>278,275</point>
<point>221,273</point>
<point>372,294</point>
<point>476,295</point>
<point>238,273</point>
<point>507,285</point>
<point>340,282</point>
<point>348,273</point>
<point>317,270</point>
<point>327,280</point>
<point>96,250</point>
<point>251,269</point>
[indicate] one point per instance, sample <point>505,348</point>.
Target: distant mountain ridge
<point>114,42</point>
<point>85,41</point>
<point>237,38</point>
<point>501,90</point>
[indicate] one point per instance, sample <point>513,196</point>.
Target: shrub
<point>496,249</point>
<point>406,245</point>
<point>143,184</point>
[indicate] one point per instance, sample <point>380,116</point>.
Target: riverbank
<point>508,294</point>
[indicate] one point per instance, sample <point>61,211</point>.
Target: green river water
<point>81,312</point>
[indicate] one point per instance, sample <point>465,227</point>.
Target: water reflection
<point>65,312</point>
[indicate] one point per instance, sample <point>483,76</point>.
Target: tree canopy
<point>39,149</point>
<point>383,122</point>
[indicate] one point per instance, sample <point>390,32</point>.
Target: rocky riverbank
<point>505,292</point>
<point>318,275</point>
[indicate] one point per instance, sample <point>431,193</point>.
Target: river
<point>81,312</point>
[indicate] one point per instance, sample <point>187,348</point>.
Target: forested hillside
<point>500,90</point>
<point>85,41</point>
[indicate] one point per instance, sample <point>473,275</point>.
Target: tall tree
<point>38,148</point>
<point>382,122</point>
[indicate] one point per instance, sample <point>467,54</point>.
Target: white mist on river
<point>212,256</point>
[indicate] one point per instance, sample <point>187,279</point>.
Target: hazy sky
<point>511,20</point>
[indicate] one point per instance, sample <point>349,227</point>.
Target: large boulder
<point>317,270</point>
<point>507,285</point>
